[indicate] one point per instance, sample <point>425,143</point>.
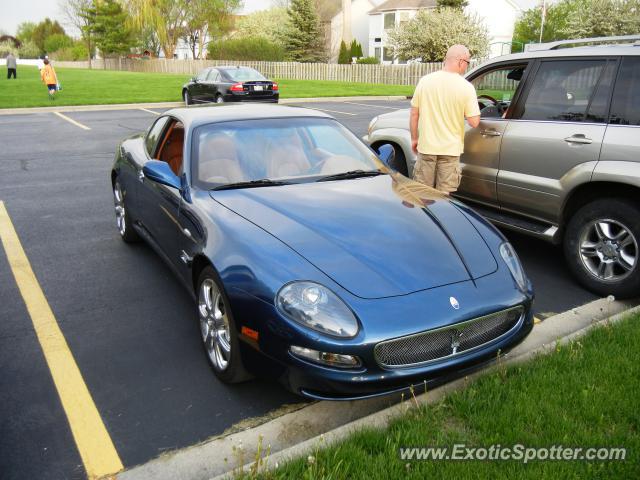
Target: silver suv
<point>557,153</point>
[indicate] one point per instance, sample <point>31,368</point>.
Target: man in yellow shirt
<point>440,104</point>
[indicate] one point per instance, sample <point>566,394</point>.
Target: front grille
<point>446,342</point>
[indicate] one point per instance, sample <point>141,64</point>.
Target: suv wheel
<point>601,247</point>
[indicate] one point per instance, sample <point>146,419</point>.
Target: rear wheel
<point>219,99</point>
<point>601,247</point>
<point>186,97</point>
<point>217,329</point>
<point>123,219</point>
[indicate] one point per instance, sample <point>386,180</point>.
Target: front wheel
<point>217,329</point>
<point>601,247</point>
<point>123,219</point>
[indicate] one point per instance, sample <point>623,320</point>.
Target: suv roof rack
<point>536,47</point>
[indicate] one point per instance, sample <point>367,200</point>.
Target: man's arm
<point>473,121</point>
<point>413,128</point>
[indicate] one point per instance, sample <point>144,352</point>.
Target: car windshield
<point>244,74</point>
<point>284,149</point>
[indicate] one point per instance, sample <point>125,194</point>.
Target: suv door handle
<point>578,138</point>
<point>490,133</point>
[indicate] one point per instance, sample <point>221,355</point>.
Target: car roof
<point>200,115</point>
<point>586,51</point>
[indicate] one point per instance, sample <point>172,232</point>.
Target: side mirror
<point>161,172</point>
<point>387,154</point>
<point>194,79</point>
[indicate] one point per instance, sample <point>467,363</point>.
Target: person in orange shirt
<point>49,78</point>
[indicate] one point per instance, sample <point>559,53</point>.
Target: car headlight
<point>372,124</point>
<point>318,308</point>
<point>513,262</point>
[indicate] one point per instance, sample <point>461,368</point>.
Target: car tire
<point>123,218</point>
<point>219,99</point>
<point>218,330</point>
<point>187,98</point>
<point>601,247</point>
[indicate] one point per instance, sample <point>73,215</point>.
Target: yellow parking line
<point>71,120</point>
<point>89,432</point>
<point>150,111</point>
<point>374,106</point>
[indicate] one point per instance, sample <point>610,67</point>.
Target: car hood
<point>375,236</point>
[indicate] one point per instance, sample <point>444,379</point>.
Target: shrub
<point>253,48</point>
<point>356,49</point>
<point>29,49</point>
<point>56,42</point>
<point>343,56</point>
<point>368,60</point>
<point>78,51</point>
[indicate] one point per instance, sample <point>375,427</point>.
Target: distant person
<point>49,78</point>
<point>12,66</point>
<point>440,104</point>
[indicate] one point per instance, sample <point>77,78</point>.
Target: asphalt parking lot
<point>129,325</point>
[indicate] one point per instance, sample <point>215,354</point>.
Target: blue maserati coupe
<point>309,259</point>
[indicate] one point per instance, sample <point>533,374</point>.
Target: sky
<point>15,12</point>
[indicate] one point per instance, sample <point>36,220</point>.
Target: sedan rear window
<point>292,149</point>
<point>244,74</point>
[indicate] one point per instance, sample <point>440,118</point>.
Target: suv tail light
<point>238,87</point>
<point>275,87</point>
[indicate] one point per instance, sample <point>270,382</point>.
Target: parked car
<point>311,261</point>
<point>229,84</point>
<point>556,155</point>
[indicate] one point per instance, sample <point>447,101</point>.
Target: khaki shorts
<point>439,171</point>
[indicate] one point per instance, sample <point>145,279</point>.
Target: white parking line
<point>70,120</point>
<point>150,111</point>
<point>332,111</point>
<point>369,105</point>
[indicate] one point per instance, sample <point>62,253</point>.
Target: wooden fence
<point>381,74</point>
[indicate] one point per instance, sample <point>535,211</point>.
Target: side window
<point>499,85</point>
<point>625,108</point>
<point>202,76</point>
<point>154,134</point>
<point>172,146</point>
<point>214,76</point>
<point>562,90</point>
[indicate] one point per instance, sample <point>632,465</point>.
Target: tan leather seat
<point>286,158</point>
<point>172,151</point>
<point>218,160</point>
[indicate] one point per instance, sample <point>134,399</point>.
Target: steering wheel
<point>488,97</point>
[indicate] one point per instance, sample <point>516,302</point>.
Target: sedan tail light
<point>238,87</point>
<point>275,87</point>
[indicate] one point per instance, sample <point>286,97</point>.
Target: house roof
<point>391,5</point>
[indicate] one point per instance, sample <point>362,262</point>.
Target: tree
<point>77,14</point>
<point>24,32</point>
<point>205,19</point>
<point>356,49</point>
<point>165,17</point>
<point>459,4</point>
<point>109,29</point>
<point>269,24</point>
<point>343,56</point>
<point>43,30</point>
<point>527,27</point>
<point>57,41</point>
<point>431,32</point>
<point>304,39</point>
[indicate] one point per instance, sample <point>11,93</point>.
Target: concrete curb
<point>135,106</point>
<point>321,423</point>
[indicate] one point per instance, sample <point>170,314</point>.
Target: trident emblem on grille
<point>455,341</point>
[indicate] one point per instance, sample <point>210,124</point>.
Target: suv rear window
<point>625,109</point>
<point>562,90</point>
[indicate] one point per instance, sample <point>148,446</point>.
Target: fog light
<point>331,359</point>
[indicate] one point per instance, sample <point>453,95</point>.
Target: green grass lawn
<point>583,395</point>
<point>98,87</point>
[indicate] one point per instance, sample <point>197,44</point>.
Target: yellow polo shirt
<point>444,100</point>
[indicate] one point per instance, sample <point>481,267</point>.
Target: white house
<point>371,19</point>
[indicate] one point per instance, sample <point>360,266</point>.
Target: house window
<point>389,20</point>
<point>378,53</point>
<point>404,17</point>
<point>387,54</point>
<point>377,39</point>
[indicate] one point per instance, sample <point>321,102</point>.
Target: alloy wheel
<point>118,202</point>
<point>608,249</point>
<point>214,324</point>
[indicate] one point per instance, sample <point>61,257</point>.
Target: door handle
<point>578,138</point>
<point>141,175</point>
<point>490,133</point>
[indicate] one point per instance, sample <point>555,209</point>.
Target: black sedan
<point>230,84</point>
